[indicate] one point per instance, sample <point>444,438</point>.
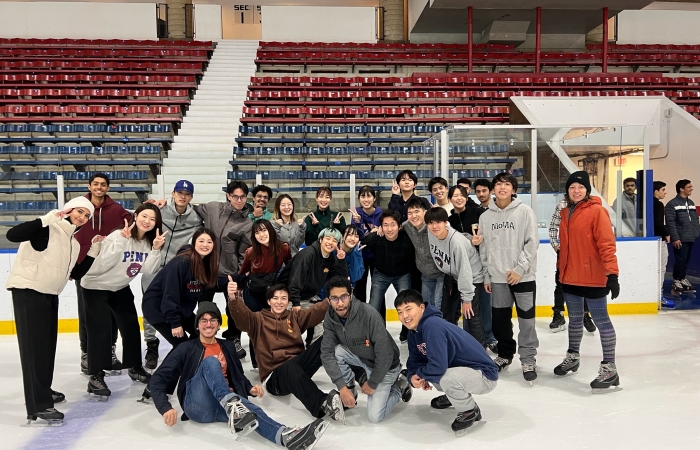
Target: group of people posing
<point>284,276</point>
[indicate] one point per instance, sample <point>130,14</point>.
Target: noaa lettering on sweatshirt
<point>456,256</point>
<point>510,242</point>
<point>119,261</point>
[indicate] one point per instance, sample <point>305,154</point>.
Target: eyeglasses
<point>343,298</point>
<point>211,321</point>
<point>240,198</point>
<point>262,197</point>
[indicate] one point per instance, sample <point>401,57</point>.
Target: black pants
<point>165,330</point>
<point>452,307</point>
<point>82,323</point>
<point>99,306</point>
<point>207,295</point>
<point>360,290</point>
<point>294,377</point>
<point>559,304</point>
<point>36,319</point>
<point>681,258</point>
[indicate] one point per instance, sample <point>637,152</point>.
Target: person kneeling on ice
<point>445,355</point>
<point>354,334</point>
<point>211,387</point>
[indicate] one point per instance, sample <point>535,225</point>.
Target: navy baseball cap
<point>184,185</point>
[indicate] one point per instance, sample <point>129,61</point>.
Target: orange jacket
<point>587,245</point>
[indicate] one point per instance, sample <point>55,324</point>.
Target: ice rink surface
<point>658,358</point>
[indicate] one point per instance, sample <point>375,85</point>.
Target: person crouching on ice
<point>445,355</point>
<point>211,387</point>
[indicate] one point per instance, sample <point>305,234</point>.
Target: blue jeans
<point>431,289</point>
<point>208,392</point>
<point>486,317</point>
<point>380,284</point>
<point>385,397</point>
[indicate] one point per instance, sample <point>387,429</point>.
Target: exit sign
<point>619,161</point>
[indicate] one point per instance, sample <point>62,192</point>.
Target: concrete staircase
<point>204,145</point>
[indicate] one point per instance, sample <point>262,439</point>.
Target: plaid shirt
<point>554,224</point>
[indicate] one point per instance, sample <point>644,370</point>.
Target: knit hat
<point>79,202</point>
<point>580,177</point>
<point>204,308</point>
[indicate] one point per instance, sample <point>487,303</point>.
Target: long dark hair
<point>204,269</point>
<point>278,202</point>
<point>150,235</point>
<point>275,245</point>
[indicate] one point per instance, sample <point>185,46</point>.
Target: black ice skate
<point>139,374</point>
<point>441,402</point>
<point>558,322</point>
<point>465,420</point>
<point>588,322</point>
<point>83,363</point>
<point>116,364</point>
<point>607,378</point>
<point>529,372</point>
<point>687,286</point>
<point>502,363</point>
<point>571,363</point>
<point>97,388</point>
<point>404,386</point>
<point>677,288</point>
<point>151,360</point>
<point>58,397</point>
<point>333,406</point>
<point>146,397</point>
<point>240,351</point>
<point>240,419</point>
<point>493,348</point>
<point>305,438</point>
<point>48,418</point>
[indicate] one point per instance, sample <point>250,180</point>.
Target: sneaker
<point>588,322</point>
<point>151,359</point>
<point>305,438</point>
<point>116,364</point>
<point>240,351</point>
<point>687,287</point>
<point>240,419</point>
<point>502,363</point>
<point>333,406</point>
<point>139,374</point>
<point>529,372</point>
<point>83,363</point>
<point>571,363</point>
<point>666,303</point>
<point>493,347</point>
<point>441,402</point>
<point>466,419</point>
<point>404,387</point>
<point>558,322</point>
<point>607,377</point>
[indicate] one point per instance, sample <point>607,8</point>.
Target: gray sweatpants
<point>502,299</point>
<point>149,333</point>
<point>460,383</point>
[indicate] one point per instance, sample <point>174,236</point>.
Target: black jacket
<point>682,219</point>
<point>397,203</point>
<point>181,365</point>
<point>463,221</point>
<point>308,271</point>
<point>659,215</point>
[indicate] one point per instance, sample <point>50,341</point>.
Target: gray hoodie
<point>456,256</point>
<point>629,211</point>
<point>365,335</point>
<point>510,242</point>
<point>292,233</point>
<point>424,257</point>
<point>180,228</point>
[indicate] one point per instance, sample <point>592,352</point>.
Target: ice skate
<point>151,360</point>
<point>333,406</point>
<point>558,322</point>
<point>83,363</point>
<point>588,322</point>
<point>502,363</point>
<point>49,418</point>
<point>305,438</point>
<point>58,397</point>
<point>240,351</point>
<point>97,388</point>
<point>465,420</point>
<point>404,387</point>
<point>240,419</point>
<point>146,397</point>
<point>529,372</point>
<point>441,402</point>
<point>607,378</point>
<point>571,363</point>
<point>677,288</point>
<point>493,348</point>
<point>687,286</point>
<point>139,374</point>
<point>116,364</point>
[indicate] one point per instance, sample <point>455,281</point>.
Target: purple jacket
<point>364,226</point>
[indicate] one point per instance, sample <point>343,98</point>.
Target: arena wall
<point>319,24</point>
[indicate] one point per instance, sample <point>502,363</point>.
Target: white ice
<point>658,358</point>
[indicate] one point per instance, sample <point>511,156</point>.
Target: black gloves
<point>613,286</point>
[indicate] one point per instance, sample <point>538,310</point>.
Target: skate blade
<point>97,398</point>
<point>40,423</point>
<point>145,401</point>
<point>240,435</point>
<point>471,429</point>
<point>558,329</point>
<point>609,390</point>
<point>113,373</point>
<point>568,374</point>
<point>318,433</point>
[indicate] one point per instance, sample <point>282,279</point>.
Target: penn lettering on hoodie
<point>456,256</point>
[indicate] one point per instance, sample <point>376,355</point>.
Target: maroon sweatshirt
<point>108,217</point>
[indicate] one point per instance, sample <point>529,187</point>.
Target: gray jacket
<point>292,233</point>
<point>629,211</point>
<point>233,229</point>
<point>365,335</point>
<point>510,242</point>
<point>682,219</point>
<point>424,259</point>
<point>180,228</point>
<point>456,256</point>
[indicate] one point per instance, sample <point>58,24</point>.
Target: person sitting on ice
<point>445,355</point>
<point>211,387</point>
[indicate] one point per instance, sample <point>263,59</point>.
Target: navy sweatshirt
<point>436,345</point>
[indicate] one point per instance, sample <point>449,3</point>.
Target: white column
<point>533,170</point>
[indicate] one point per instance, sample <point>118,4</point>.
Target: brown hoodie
<point>276,339</point>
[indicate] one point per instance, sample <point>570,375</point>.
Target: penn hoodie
<point>456,256</point>
<point>437,345</point>
<point>108,216</point>
<point>119,261</point>
<point>510,242</point>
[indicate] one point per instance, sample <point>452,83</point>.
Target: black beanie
<point>207,307</point>
<point>580,177</point>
